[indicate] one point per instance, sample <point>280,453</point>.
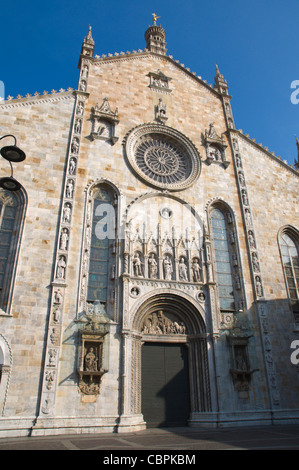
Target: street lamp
<point>12,153</point>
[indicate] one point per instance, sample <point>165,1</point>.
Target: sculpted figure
<point>183,270</point>
<point>137,265</point>
<point>61,266</point>
<point>90,361</point>
<point>152,266</point>
<point>196,270</point>
<point>66,217</point>
<point>168,269</point>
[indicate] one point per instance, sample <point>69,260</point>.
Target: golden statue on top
<point>155,17</point>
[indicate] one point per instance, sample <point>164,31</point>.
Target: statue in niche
<point>64,237</point>
<point>215,153</point>
<point>83,86</point>
<point>168,269</point>
<point>248,217</point>
<point>72,166</point>
<point>232,237</point>
<point>69,189</point>
<point>238,161</point>
<point>259,289</point>
<point>183,270</point>
<point>77,127</point>
<point>161,112</point>
<point>75,146</point>
<point>58,296</point>
<point>50,376</point>
<point>61,267</point>
<point>196,270</point>
<point>84,72</point>
<point>54,337</point>
<point>103,130</point>
<point>240,360</point>
<point>244,197</point>
<point>56,314</point>
<point>66,217</point>
<point>152,266</point>
<point>52,357</point>
<point>251,240</point>
<point>137,265</point>
<point>255,263</point>
<point>80,108</point>
<point>241,178</point>
<point>90,361</point>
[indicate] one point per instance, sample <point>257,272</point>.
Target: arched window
<point>222,260</point>
<point>11,218</point>
<point>101,243</point>
<point>290,260</point>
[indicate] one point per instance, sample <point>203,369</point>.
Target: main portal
<point>165,392</point>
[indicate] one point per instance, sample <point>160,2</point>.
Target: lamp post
<point>12,153</point>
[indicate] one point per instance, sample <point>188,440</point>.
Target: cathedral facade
<point>149,269</point>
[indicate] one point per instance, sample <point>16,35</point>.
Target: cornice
<point>263,149</point>
<point>46,97</point>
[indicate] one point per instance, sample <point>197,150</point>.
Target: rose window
<point>161,158</point>
<point>161,161</point>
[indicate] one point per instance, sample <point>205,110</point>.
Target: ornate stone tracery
<point>162,156</point>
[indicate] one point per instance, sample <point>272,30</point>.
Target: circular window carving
<point>163,157</point>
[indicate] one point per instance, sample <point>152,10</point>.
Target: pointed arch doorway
<point>169,361</point>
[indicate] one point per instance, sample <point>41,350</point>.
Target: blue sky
<point>254,43</point>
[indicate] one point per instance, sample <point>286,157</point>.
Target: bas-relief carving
<point>159,82</point>
<point>159,323</point>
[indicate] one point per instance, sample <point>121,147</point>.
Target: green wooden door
<point>165,384</point>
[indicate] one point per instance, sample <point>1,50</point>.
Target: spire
<point>220,82</point>
<point>88,44</point>
<point>155,37</point>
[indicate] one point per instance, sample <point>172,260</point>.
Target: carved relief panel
<point>163,323</point>
<point>159,82</point>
